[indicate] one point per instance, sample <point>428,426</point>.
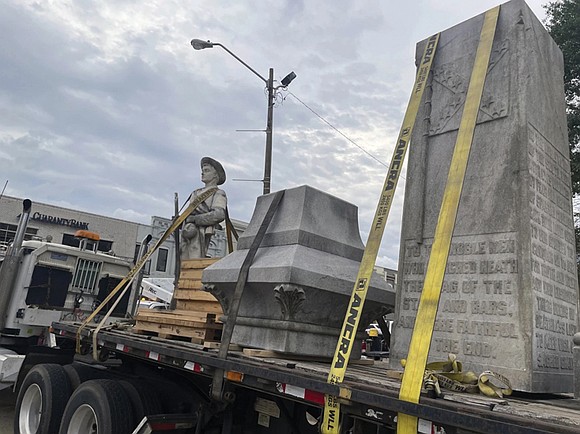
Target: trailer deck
<point>369,392</point>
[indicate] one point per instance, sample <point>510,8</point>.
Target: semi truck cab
<point>42,282</point>
<point>55,282</point>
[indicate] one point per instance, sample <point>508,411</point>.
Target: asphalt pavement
<point>7,403</point>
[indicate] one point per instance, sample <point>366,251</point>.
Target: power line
<point>2,193</point>
<point>337,130</point>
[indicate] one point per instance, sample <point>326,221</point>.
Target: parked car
<point>156,305</point>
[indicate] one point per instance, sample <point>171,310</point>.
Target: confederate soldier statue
<point>200,225</point>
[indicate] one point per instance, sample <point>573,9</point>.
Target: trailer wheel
<point>41,400</point>
<point>79,373</point>
<point>143,400</point>
<point>98,406</point>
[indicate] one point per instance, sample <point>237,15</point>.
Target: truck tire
<point>143,400</point>
<point>98,407</point>
<point>41,400</point>
<point>79,373</point>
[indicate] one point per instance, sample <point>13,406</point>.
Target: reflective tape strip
<point>429,301</point>
<point>152,355</point>
<point>299,392</point>
<point>425,427</point>
<point>192,366</point>
<point>121,347</point>
<point>331,418</point>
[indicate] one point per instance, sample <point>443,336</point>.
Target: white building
<point>162,264</point>
<point>121,238</point>
<point>388,274</point>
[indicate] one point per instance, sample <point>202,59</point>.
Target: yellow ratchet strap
<point>490,388</point>
<point>424,323</point>
<point>331,420</point>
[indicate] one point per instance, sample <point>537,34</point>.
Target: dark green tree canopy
<point>563,23</point>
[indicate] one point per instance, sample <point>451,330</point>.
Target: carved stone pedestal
<point>576,350</point>
<point>300,282</point>
<point>509,301</point>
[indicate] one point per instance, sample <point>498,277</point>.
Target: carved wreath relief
<point>290,297</point>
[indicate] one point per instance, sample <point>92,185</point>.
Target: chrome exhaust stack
<point>14,249</point>
<point>11,263</point>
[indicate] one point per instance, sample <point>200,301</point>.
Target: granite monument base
<point>301,280</point>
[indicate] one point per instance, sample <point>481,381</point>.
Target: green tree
<point>563,23</point>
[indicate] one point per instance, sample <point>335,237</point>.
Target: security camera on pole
<point>199,44</point>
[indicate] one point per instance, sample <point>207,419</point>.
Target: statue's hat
<point>217,166</point>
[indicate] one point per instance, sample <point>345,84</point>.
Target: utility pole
<point>199,44</point>
<point>269,126</point>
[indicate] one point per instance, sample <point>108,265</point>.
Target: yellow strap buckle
<point>498,388</point>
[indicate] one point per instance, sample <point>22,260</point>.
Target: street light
<point>199,44</point>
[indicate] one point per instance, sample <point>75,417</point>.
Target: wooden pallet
<point>189,295</point>
<point>196,317</point>
<point>217,345</point>
<point>201,306</point>
<point>193,326</point>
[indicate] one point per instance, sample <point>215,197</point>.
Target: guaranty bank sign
<point>59,221</point>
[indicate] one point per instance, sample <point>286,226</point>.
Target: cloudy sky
<point>105,107</point>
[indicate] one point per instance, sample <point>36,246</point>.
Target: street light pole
<point>199,44</point>
<point>269,126</point>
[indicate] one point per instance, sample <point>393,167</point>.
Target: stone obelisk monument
<point>510,296</point>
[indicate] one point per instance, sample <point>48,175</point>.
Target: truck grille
<point>86,275</point>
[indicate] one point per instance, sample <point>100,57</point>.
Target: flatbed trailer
<point>281,391</point>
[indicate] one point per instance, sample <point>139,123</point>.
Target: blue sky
<point>105,107</point>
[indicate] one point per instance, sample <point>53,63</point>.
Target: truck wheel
<point>78,374</point>
<point>41,400</point>
<point>98,407</point>
<point>143,400</point>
